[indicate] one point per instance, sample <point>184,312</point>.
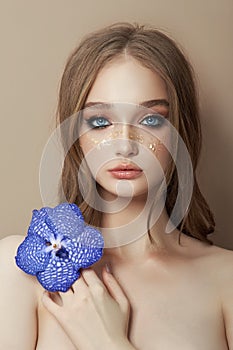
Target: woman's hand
<point>94,314</point>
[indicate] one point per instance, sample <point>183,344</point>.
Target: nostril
<point>127,148</point>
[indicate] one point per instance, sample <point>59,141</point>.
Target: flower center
<point>56,246</point>
<point>62,253</point>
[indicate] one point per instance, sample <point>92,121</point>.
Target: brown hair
<point>156,51</point>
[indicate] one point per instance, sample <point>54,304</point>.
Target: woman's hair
<point>156,51</point>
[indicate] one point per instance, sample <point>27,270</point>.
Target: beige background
<point>36,38</point>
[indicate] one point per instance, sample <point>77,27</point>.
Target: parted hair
<point>157,51</point>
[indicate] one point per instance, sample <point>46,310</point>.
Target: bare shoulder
<point>210,257</point>
<point>8,250</point>
<point>8,268</point>
<point>213,266</point>
<point>10,243</point>
<point>222,269</point>
<point>222,256</point>
<point>18,299</point>
<point>222,262</point>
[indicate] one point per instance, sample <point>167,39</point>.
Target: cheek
<point>95,157</point>
<point>160,148</point>
<point>163,156</point>
<point>86,144</point>
<point>90,141</point>
<point>99,149</point>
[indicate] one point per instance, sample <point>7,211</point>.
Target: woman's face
<point>123,129</point>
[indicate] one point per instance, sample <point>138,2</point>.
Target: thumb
<point>116,290</point>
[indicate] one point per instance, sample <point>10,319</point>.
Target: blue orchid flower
<point>58,244</point>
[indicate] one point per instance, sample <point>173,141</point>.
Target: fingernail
<point>107,268</point>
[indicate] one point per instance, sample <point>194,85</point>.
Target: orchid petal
<point>58,244</point>
<point>59,275</point>
<point>31,256</point>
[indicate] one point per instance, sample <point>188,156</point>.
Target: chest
<point>174,311</point>
<point>167,312</point>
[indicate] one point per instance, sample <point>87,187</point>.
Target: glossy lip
<point>126,171</point>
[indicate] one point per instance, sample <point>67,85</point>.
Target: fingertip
<point>48,303</point>
<point>108,277</point>
<point>86,271</point>
<point>45,293</point>
<point>105,272</point>
<point>107,268</point>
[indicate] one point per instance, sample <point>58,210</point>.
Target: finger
<point>91,278</point>
<point>49,304</point>
<point>65,296</point>
<point>115,290</point>
<point>70,291</point>
<point>96,286</point>
<point>80,287</point>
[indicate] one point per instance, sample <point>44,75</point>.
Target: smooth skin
<point>92,299</point>
<point>158,296</point>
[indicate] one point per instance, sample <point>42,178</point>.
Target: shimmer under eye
<point>153,120</point>
<point>98,122</point>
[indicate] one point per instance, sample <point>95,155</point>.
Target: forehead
<point>126,80</point>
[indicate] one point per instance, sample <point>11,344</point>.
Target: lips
<point>126,171</point>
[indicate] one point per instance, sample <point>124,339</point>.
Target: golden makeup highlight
<point>153,144</point>
<point>156,51</point>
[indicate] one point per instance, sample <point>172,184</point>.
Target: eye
<point>153,120</point>
<point>98,122</point>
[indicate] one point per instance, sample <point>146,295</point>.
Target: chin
<point>123,189</point>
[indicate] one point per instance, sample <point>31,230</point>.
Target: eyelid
<point>97,116</point>
<point>151,115</point>
<point>94,120</point>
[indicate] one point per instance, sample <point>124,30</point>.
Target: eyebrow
<point>148,104</point>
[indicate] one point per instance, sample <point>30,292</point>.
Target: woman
<point>130,87</point>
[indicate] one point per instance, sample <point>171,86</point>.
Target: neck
<point>133,233</point>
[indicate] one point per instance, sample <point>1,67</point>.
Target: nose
<point>126,145</point>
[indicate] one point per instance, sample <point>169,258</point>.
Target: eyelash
<point>160,120</point>
<point>156,117</point>
<point>94,119</point>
